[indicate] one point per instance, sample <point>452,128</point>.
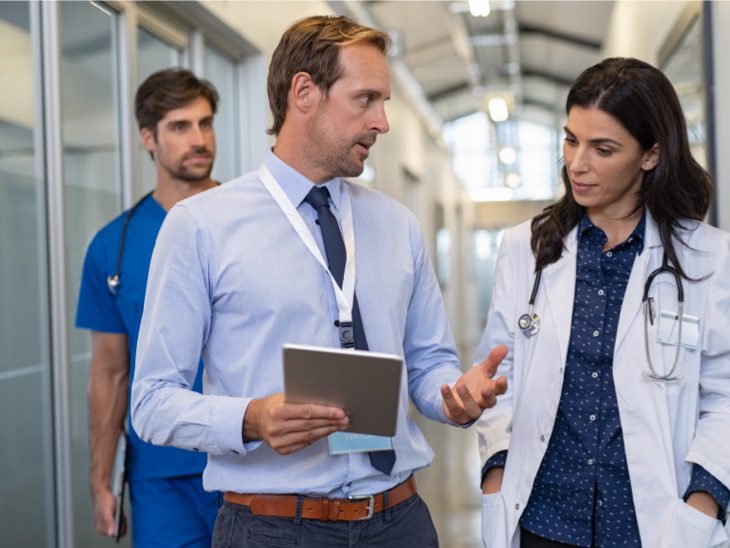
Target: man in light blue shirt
<point>233,279</point>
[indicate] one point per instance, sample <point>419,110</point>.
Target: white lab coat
<point>667,426</point>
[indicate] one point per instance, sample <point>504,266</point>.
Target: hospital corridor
<point>188,187</point>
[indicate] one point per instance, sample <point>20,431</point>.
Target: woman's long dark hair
<point>643,100</point>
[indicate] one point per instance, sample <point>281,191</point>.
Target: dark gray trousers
<point>407,525</point>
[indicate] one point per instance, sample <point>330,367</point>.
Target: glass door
<point>27,507</point>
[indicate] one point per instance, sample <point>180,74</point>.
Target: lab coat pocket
<point>494,529</point>
<point>690,527</point>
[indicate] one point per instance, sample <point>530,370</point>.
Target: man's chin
<point>195,176</point>
<point>354,168</point>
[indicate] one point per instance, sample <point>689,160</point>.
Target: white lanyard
<point>345,295</point>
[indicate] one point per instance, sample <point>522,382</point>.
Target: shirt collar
<point>295,185</point>
<point>586,224</point>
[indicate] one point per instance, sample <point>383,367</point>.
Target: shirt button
<point>196,449</point>
<point>590,462</point>
<point>235,452</point>
<point>594,375</point>
<point>601,292</point>
<point>600,503</point>
<point>592,418</point>
<point>596,333</point>
<point>609,254</point>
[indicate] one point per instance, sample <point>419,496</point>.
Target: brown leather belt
<point>350,509</point>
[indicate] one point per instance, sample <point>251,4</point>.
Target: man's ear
<point>651,158</point>
<point>303,93</point>
<point>148,139</point>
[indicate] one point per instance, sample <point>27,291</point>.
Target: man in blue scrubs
<point>174,110</point>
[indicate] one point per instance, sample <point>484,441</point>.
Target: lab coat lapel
<point>559,280</point>
<point>643,264</point>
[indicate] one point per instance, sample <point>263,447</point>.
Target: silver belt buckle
<point>370,506</point>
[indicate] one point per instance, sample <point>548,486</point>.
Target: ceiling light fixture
<point>479,8</point>
<point>497,108</point>
<point>513,180</point>
<point>507,155</point>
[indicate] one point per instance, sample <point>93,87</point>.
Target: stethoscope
<point>529,323</point>
<point>648,305</point>
<point>113,282</point>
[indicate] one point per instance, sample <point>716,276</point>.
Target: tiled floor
<point>450,485</point>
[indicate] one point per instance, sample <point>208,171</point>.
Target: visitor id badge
<point>669,329</point>
<point>341,443</point>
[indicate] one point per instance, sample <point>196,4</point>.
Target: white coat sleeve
<point>494,425</point>
<point>710,447</point>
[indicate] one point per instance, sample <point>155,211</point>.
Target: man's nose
<point>196,136</point>
<point>380,121</point>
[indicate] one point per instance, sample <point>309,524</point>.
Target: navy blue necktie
<point>334,247</point>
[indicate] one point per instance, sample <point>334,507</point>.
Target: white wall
<point>639,28</point>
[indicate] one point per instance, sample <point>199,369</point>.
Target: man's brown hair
<point>312,45</point>
<point>168,90</point>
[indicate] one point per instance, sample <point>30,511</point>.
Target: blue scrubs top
<point>99,310</point>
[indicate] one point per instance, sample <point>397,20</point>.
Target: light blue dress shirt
<point>230,280</point>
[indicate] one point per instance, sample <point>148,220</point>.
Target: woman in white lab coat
<point>611,433</point>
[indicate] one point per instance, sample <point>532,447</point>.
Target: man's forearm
<point>107,397</point>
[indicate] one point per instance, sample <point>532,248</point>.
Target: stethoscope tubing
<point>529,323</point>
<point>114,281</point>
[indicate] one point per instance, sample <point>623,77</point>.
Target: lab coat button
<point>517,506</point>
<point>542,437</point>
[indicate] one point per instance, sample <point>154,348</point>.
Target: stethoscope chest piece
<point>113,283</point>
<point>529,324</point>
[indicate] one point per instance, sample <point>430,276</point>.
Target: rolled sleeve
<point>702,480</point>
<point>499,459</point>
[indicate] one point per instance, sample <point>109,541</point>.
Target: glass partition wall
<point>68,151</point>
<point>27,507</point>
<point>92,197</point>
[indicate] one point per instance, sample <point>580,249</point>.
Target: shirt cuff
<point>702,480</point>
<point>498,459</point>
<point>225,433</point>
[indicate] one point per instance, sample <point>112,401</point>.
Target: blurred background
<point>475,145</point>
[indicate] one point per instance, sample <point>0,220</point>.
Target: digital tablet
<point>365,384</point>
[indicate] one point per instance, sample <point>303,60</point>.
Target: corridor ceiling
<point>527,52</point>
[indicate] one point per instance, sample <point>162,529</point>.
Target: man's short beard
<point>184,175</point>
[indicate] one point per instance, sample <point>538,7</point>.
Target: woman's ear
<point>650,158</point>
